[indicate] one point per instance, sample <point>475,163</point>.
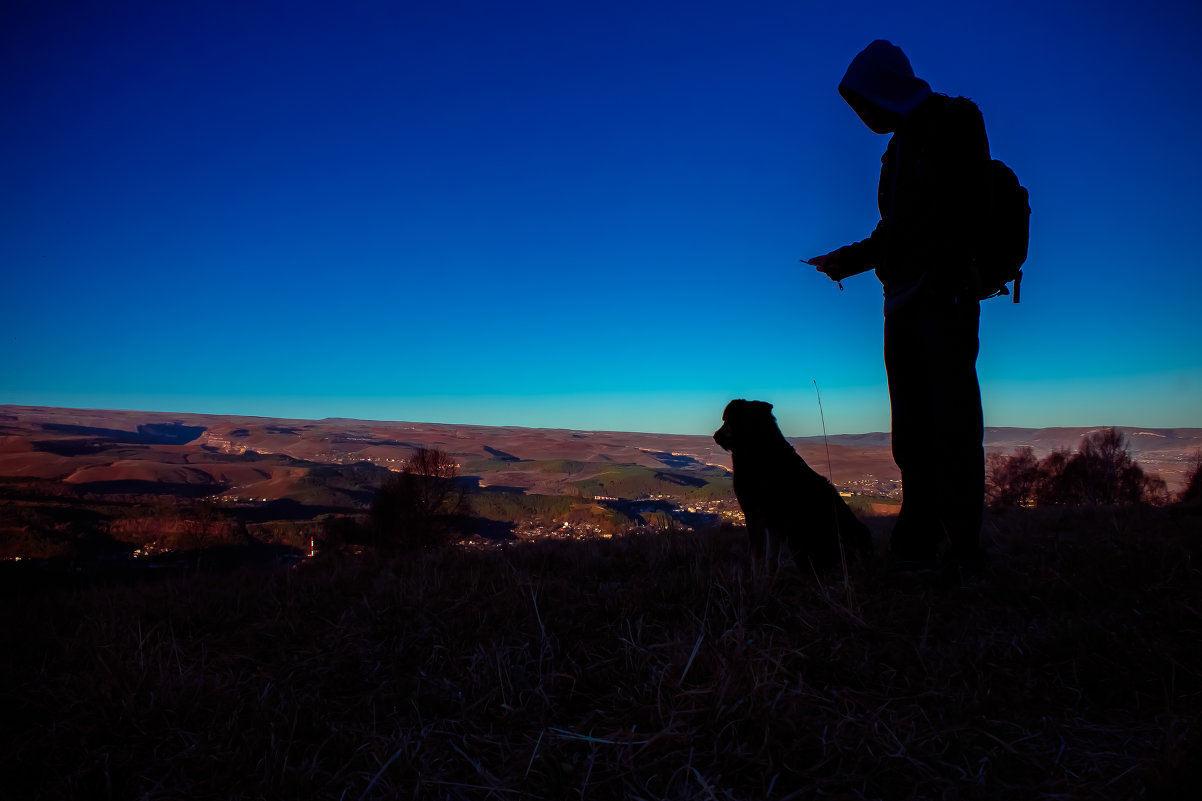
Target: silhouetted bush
<point>1012,480</point>
<point>338,531</point>
<point>413,507</point>
<point>1192,492</point>
<point>1156,491</point>
<point>1101,472</point>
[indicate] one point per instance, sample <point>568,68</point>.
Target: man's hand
<point>832,265</point>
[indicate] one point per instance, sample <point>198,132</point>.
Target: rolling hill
<point>271,459</point>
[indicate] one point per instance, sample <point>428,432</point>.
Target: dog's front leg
<point>760,540</point>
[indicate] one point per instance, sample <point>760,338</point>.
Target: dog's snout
<point>722,437</point>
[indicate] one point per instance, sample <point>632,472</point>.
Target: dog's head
<point>745,422</point>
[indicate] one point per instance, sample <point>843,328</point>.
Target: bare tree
<point>1100,472</point>
<point>1012,480</point>
<point>1104,470</point>
<point>1155,491</point>
<point>1192,493</point>
<point>412,508</point>
<point>1053,486</point>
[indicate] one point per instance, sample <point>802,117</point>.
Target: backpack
<point>1007,234</point>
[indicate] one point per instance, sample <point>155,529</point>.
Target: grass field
<point>643,667</point>
<point>636,481</point>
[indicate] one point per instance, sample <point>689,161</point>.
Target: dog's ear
<point>741,409</point>
<point>757,413</point>
<point>761,407</point>
<point>733,409</point>
<point>757,419</point>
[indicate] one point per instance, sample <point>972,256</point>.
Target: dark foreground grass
<point>648,667</point>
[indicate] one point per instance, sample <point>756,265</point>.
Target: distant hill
<point>268,458</point>
<point>1165,451</point>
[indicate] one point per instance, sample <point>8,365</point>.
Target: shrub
<point>1101,472</point>
<point>1012,480</point>
<point>1052,485</point>
<point>1192,493</point>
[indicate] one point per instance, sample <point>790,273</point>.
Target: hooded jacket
<point>934,191</point>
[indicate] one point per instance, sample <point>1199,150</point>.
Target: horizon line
<point>1134,428</point>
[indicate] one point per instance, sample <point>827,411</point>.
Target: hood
<point>881,75</point>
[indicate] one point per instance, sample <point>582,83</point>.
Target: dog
<point>783,499</point>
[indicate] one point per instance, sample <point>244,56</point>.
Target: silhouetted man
<point>933,196</point>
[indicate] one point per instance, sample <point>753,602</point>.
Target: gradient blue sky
<point>571,214</point>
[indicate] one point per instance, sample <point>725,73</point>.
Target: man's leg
<point>958,402</point>
<point>918,530</point>
<point>930,356</point>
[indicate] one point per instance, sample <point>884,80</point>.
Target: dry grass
<point>646,667</point>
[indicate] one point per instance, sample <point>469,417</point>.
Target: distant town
<point>139,483</point>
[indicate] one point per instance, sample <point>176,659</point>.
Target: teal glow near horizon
<point>570,215</point>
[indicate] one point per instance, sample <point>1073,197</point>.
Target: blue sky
<point>570,214</point>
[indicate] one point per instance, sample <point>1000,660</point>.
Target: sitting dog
<point>782,498</point>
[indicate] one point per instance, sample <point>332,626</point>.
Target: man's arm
<point>851,259</point>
